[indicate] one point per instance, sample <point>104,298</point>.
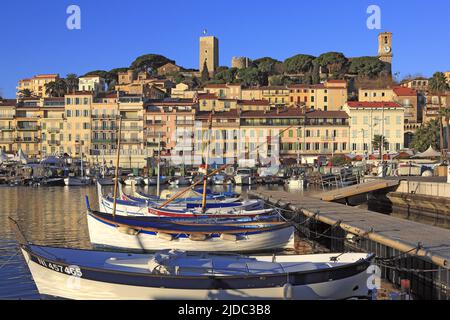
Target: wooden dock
<point>342,193</point>
<point>397,233</point>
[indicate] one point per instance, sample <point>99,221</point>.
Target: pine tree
<point>205,73</point>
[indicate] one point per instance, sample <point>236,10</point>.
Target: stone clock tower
<point>385,47</point>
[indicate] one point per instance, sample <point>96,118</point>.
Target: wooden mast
<point>205,179</point>
<point>159,165</point>
<point>116,182</point>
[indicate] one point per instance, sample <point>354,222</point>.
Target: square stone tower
<point>209,52</point>
<point>385,47</point>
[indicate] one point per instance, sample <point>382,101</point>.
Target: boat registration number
<point>69,270</point>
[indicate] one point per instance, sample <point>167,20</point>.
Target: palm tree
<point>56,88</point>
<point>376,142</point>
<point>72,82</point>
<point>25,93</point>
<point>438,86</point>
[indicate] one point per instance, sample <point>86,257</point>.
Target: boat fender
<point>228,237</point>
<point>127,230</point>
<point>288,291</point>
<point>197,237</point>
<point>164,236</point>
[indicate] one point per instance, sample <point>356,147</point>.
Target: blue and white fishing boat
<point>152,233</point>
<point>170,274</point>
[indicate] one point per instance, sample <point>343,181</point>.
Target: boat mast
<point>159,164</point>
<point>116,182</point>
<point>207,161</point>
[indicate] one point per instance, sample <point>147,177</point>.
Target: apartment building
<point>368,119</point>
<point>92,83</point>
<point>7,125</point>
<point>329,96</point>
<point>52,126</point>
<point>78,108</point>
<point>36,85</point>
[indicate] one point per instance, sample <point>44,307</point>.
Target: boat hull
<point>76,182</point>
<point>106,235</point>
<point>51,280</point>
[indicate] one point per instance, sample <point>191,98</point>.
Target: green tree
<point>25,93</point>
<point>437,85</point>
<point>72,82</point>
<point>426,135</point>
<point>376,142</point>
<point>367,66</point>
<point>300,63</point>
<point>205,73</point>
<point>269,66</point>
<point>334,62</point>
<point>56,88</point>
<point>252,77</point>
<point>150,62</point>
<point>226,75</point>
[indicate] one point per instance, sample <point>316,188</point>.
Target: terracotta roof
<point>203,115</point>
<point>253,102</point>
<point>281,113</point>
<point>274,88</point>
<point>359,104</point>
<point>55,75</point>
<point>207,96</point>
<point>8,103</point>
<point>326,114</point>
<point>170,102</point>
<point>404,91</point>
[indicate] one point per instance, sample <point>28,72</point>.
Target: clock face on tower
<point>387,49</point>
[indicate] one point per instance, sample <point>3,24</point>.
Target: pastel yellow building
<point>28,130</point>
<point>52,126</point>
<point>36,84</point>
<point>7,125</point>
<point>225,91</point>
<point>368,119</point>
<point>276,95</point>
<point>329,96</point>
<point>375,95</point>
<point>77,139</point>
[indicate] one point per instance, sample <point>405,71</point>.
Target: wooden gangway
<point>357,189</point>
<point>400,234</point>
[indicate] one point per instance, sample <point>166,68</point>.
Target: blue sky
<point>34,38</point>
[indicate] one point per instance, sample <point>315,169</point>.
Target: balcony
<point>155,123</point>
<point>7,116</point>
<point>104,116</point>
<point>131,128</point>
<point>130,141</point>
<point>28,128</point>
<point>7,128</point>
<point>54,130</point>
<point>132,118</point>
<point>104,141</point>
<point>54,142</point>
<point>28,140</point>
<point>155,134</point>
<point>185,123</point>
<point>7,139</point>
<point>107,128</point>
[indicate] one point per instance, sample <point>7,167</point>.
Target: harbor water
<point>53,216</point>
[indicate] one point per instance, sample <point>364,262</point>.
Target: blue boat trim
<point>210,282</point>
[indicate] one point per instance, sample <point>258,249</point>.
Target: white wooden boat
<point>297,183</point>
<point>77,181</point>
<point>134,180</point>
<point>145,234</point>
<point>88,274</point>
<point>244,176</point>
<point>153,181</point>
